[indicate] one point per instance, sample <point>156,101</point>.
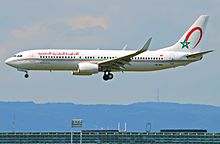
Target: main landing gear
<point>107,76</point>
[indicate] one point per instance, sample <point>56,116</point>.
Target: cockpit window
<point>19,56</point>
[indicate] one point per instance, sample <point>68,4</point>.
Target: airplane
<point>89,62</point>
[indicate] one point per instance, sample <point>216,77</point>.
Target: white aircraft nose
<point>8,61</point>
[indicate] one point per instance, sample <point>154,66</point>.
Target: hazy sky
<point>92,24</point>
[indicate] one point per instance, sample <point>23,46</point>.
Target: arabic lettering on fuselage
<point>58,53</point>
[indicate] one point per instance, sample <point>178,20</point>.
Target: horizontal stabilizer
<point>198,54</point>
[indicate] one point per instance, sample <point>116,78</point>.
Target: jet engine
<point>86,69</point>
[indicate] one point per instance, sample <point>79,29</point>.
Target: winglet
<point>146,46</point>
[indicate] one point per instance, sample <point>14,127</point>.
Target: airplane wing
<point>120,62</point>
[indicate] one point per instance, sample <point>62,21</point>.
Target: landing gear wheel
<point>107,76</point>
<point>26,75</point>
<point>110,76</point>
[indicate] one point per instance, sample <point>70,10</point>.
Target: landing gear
<point>107,76</point>
<point>110,76</point>
<point>26,75</point>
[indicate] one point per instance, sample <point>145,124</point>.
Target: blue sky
<point>93,24</point>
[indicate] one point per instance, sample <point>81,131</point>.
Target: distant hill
<point>28,116</point>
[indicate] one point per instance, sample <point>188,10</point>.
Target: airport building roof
<point>109,137</point>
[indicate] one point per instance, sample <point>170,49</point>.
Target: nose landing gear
<point>26,75</point>
<point>107,76</point>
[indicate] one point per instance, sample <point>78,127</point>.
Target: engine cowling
<point>86,69</point>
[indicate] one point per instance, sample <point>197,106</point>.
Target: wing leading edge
<point>120,62</point>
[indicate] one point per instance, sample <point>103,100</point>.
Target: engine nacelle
<point>86,69</point>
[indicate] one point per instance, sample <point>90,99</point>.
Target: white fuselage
<point>59,59</point>
<point>88,62</point>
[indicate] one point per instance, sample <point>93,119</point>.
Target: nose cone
<point>8,61</point>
